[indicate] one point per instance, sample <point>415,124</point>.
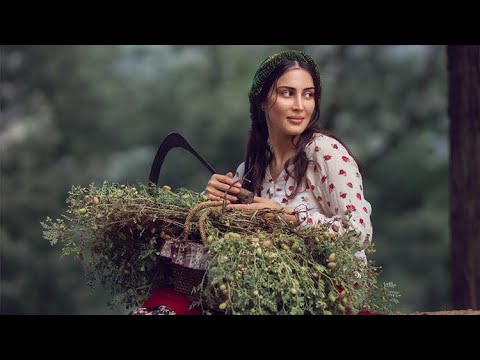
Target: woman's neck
<point>282,149</point>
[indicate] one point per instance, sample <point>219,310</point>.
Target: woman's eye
<point>286,93</point>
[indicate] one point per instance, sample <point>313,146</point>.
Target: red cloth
<point>173,300</point>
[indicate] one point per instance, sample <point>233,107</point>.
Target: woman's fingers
<point>211,190</point>
<point>266,202</point>
<point>214,192</point>
<point>223,183</point>
<point>219,184</point>
<point>218,195</point>
<point>258,203</point>
<point>227,180</point>
<point>243,206</point>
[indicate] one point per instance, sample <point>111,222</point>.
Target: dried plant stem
<point>202,222</point>
<point>191,214</point>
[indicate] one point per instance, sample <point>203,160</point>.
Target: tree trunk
<point>464,113</point>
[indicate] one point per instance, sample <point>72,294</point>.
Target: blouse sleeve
<point>239,173</point>
<point>335,180</point>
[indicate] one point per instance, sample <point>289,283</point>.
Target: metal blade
<point>173,140</point>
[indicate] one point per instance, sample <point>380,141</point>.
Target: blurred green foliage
<point>73,115</point>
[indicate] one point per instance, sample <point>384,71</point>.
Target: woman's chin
<point>294,130</point>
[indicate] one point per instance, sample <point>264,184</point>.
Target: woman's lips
<point>296,120</point>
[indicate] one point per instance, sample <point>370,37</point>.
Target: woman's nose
<point>298,103</point>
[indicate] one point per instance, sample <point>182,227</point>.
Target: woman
<point>291,163</point>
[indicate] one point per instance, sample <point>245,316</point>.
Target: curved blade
<point>173,140</point>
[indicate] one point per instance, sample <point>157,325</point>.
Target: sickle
<point>174,140</point>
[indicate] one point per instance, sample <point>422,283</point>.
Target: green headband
<point>270,63</point>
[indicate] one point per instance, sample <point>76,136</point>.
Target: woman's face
<point>290,103</point>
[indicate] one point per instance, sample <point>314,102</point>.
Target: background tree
<point>464,113</point>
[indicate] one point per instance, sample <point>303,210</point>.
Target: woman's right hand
<point>219,184</point>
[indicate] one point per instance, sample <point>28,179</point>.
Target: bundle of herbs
<point>256,263</point>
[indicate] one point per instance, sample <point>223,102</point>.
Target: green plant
<point>257,262</point>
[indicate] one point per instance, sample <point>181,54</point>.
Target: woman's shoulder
<point>323,144</point>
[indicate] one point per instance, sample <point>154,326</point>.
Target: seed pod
<point>166,187</point>
<point>222,306</point>
<point>82,211</point>
<point>332,257</point>
<point>267,244</point>
<point>341,307</point>
<point>96,200</point>
<point>332,265</point>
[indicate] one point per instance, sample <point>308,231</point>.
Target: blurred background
<point>75,115</point>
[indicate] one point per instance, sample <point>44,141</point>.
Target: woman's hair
<point>259,153</point>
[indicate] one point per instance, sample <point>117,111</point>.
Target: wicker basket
<point>185,279</point>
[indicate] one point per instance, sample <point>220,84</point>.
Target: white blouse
<point>333,186</point>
